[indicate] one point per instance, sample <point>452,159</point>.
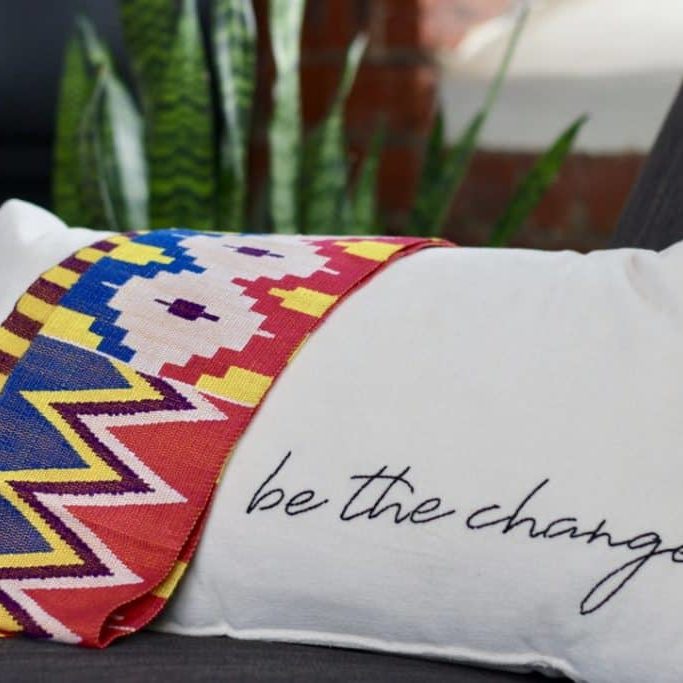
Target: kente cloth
<point>127,374</point>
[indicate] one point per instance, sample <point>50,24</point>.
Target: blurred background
<point>619,61</point>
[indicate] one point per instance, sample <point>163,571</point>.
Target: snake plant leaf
<point>363,218</point>
<point>125,135</point>
<point>325,171</point>
<point>446,185</point>
<point>285,20</point>
<point>149,29</point>
<point>532,188</point>
<point>438,191</point>
<point>421,217</point>
<point>113,139</point>
<point>93,178</point>
<point>180,138</point>
<point>76,90</point>
<point>234,50</point>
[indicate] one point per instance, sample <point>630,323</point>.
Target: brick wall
<point>397,85</point>
<point>580,211</point>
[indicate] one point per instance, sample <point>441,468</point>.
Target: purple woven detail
<point>23,618</point>
<point>105,246</point>
<point>254,251</point>
<point>22,325</point>
<point>251,251</point>
<point>76,265</point>
<point>129,482</point>
<point>7,362</point>
<point>187,310</point>
<point>47,291</point>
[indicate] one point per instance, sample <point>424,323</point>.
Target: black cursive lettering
<point>293,505</point>
<point>393,496</point>
<point>393,483</point>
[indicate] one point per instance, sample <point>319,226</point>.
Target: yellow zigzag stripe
<point>96,470</point>
<point>7,622</point>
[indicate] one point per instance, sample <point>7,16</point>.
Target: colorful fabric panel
<point>127,374</point>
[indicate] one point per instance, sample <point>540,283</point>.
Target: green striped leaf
<point>530,191</point>
<point>149,28</point>
<point>76,89</point>
<point>235,50</point>
<point>438,191</point>
<point>125,140</point>
<point>93,179</point>
<point>447,183</point>
<point>180,140</point>
<point>363,216</point>
<point>113,141</point>
<point>285,18</point>
<point>421,217</point>
<point>325,171</point>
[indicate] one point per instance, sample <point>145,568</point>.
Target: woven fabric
<point>127,374</point>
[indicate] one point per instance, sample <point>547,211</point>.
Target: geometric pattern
<point>127,374</point>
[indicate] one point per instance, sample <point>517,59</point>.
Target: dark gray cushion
<point>147,657</point>
<point>653,216</point>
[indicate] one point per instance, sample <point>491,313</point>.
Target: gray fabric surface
<point>148,657</point>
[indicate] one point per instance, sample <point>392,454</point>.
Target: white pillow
<point>496,381</point>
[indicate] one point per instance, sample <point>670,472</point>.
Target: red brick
<point>261,11</point>
<point>332,24</point>
<point>258,170</point>
<point>579,211</point>
<point>395,25</point>
<point>606,182</point>
<point>402,95</point>
<point>399,171</point>
<point>397,84</point>
<point>319,85</point>
<point>398,177</point>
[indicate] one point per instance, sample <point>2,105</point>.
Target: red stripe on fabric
<point>47,291</point>
<point>22,325</point>
<point>76,265</point>
<point>105,246</point>
<point>7,362</point>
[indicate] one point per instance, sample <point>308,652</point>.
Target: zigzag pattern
<point>113,477</point>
